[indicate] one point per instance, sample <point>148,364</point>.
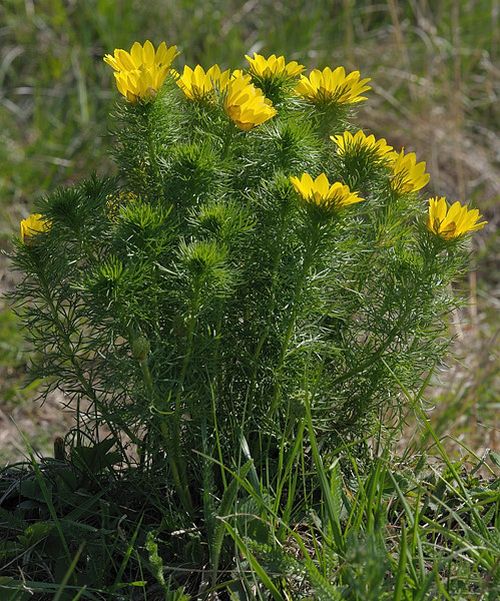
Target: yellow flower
<point>140,73</point>
<point>198,84</point>
<point>141,56</point>
<point>237,73</point>
<point>246,105</point>
<point>321,193</point>
<point>32,225</point>
<point>407,174</point>
<point>274,66</point>
<point>452,222</point>
<point>333,86</point>
<point>348,143</point>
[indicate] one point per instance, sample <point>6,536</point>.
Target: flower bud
<point>140,348</point>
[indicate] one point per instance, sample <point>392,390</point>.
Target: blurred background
<point>435,77</point>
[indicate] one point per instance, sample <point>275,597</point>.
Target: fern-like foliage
<point>197,299</point>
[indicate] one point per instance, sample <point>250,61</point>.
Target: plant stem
<point>174,457</point>
<point>176,434</point>
<point>311,244</point>
<point>153,158</point>
<point>87,387</point>
<point>228,138</point>
<point>272,304</point>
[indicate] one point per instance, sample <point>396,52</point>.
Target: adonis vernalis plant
<point>452,222</point>
<point>258,260</point>
<point>321,194</point>
<point>141,72</point>
<point>273,66</point>
<point>335,86</point>
<point>33,224</point>
<point>354,145</point>
<point>407,174</point>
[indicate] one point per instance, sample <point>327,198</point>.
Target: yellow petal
<point>148,53</point>
<point>124,60</point>
<point>322,184</point>
<point>136,54</point>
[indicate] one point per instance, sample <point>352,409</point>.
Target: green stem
<point>174,457</point>
<point>181,475</point>
<point>153,157</point>
<point>228,138</point>
<point>217,367</point>
<point>312,242</point>
<point>177,466</point>
<point>265,334</point>
<point>193,317</point>
<point>79,373</point>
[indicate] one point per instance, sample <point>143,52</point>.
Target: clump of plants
<point>251,293</point>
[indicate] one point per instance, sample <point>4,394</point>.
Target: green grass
<point>387,530</point>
